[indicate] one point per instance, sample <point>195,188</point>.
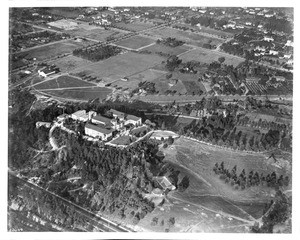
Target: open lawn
<point>52,50</point>
<point>200,158</point>
<point>122,140</point>
<point>136,25</point>
<point>160,48</point>
<point>135,42</point>
<point>65,12</point>
<point>162,85</point>
<point>83,94</point>
<point>164,134</point>
<point>208,56</point>
<point>188,37</point>
<point>206,30</point>
<point>63,82</point>
<point>117,67</point>
<point>94,32</point>
<point>134,80</point>
<point>206,190</point>
<point>65,24</point>
<point>70,62</point>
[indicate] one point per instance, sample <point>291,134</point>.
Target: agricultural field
<point>64,24</point>
<point>94,32</point>
<point>52,50</point>
<point>208,56</point>
<point>160,48</point>
<point>65,12</point>
<point>70,62</point>
<point>81,94</point>
<point>206,30</point>
<point>136,25</point>
<point>117,67</point>
<point>162,86</point>
<point>188,37</point>
<point>134,80</point>
<point>63,82</point>
<point>135,42</point>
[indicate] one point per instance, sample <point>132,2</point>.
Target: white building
<point>130,119</point>
<point>98,119</point>
<point>45,72</point>
<point>82,115</point>
<point>97,132</point>
<point>268,39</point>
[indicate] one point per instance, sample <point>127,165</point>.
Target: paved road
<point>104,224</point>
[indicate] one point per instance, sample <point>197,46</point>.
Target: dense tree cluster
<point>242,180</point>
<point>207,21</point>
<point>171,42</point>
<point>100,53</point>
<point>278,211</point>
<point>173,62</point>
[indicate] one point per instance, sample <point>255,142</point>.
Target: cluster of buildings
<point>102,127</point>
<point>47,71</point>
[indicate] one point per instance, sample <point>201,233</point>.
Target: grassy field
<point>122,140</point>
<point>160,48</point>
<point>94,32</point>
<point>200,158</point>
<point>68,63</point>
<point>84,94</point>
<point>135,42</point>
<point>135,26</point>
<point>117,67</point>
<point>206,30</point>
<point>208,56</point>
<point>65,12</point>
<point>63,82</point>
<point>134,80</point>
<point>188,37</point>
<point>206,190</point>
<point>52,50</point>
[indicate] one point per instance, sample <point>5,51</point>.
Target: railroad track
<point>101,223</point>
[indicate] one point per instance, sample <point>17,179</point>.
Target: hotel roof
<point>102,119</point>
<point>98,129</point>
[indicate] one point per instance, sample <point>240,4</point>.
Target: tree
<point>154,221</point>
<point>170,140</point>
<point>221,59</point>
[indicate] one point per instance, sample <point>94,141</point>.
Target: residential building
<point>80,115</point>
<point>117,114</point>
<point>62,117</point>
<point>165,183</point>
<point>268,39</point>
<point>45,124</point>
<point>98,119</point>
<point>98,132</point>
<point>131,119</point>
<point>45,72</point>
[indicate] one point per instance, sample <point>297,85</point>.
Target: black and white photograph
<point>150,119</point>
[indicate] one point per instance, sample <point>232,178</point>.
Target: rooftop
<point>98,129</point>
<point>118,113</point>
<point>80,113</point>
<point>132,117</point>
<point>102,119</point>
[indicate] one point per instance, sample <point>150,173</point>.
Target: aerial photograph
<point>150,119</point>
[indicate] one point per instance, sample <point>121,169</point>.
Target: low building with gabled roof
<point>117,114</point>
<point>99,119</point>
<point>165,183</point>
<point>131,119</point>
<point>97,131</point>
